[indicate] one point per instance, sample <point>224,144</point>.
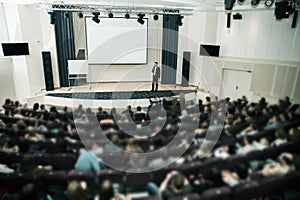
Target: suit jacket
<point>157,72</point>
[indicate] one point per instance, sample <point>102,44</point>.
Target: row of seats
<point>67,161</point>
<point>63,161</point>
<point>245,191</point>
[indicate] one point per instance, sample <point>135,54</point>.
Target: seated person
<point>281,137</point>
<point>107,192</point>
<point>87,160</point>
<point>114,146</point>
<point>285,166</point>
<point>139,116</point>
<point>230,178</point>
<point>76,190</point>
<point>128,111</point>
<point>263,143</point>
<point>175,184</point>
<point>133,146</point>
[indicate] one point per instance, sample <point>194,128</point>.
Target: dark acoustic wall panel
<point>46,56</point>
<point>186,68</point>
<point>80,54</point>
<point>169,49</point>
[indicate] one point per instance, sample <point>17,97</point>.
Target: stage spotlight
<point>283,9</point>
<point>110,15</point>
<point>96,17</point>
<point>127,16</point>
<point>67,15</point>
<point>80,15</point>
<point>155,17</point>
<point>255,2</point>
<point>269,3</point>
<point>179,20</point>
<point>229,4</point>
<point>140,19</point>
<point>52,17</point>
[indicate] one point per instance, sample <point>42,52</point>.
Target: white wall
<point>25,23</point>
<point>256,40</point>
<point>200,28</point>
<point>6,80</point>
<point>259,35</point>
<point>3,33</point>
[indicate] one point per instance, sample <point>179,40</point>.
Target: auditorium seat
<point>89,177</point>
<point>191,168</point>
<point>10,157</point>
<point>53,178</point>
<point>192,196</point>
<point>43,159</point>
<point>220,193</point>
<point>159,175</point>
<point>18,180</point>
<point>4,180</point>
<point>64,161</point>
<point>136,181</point>
<point>112,159</point>
<point>109,174</point>
<point>147,198</point>
<point>246,191</point>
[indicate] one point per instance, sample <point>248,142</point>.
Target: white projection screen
<point>116,41</point>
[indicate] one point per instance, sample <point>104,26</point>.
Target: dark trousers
<point>154,81</point>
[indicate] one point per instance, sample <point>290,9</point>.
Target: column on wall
<point>65,44</point>
<point>169,48</point>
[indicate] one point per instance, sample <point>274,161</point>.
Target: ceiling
<point>206,5</point>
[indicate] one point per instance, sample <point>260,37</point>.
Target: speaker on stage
<point>46,56</point>
<point>186,68</point>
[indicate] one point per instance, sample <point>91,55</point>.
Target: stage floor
<point>91,95</point>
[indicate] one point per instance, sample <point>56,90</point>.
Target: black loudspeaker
<point>186,68</point>
<point>48,70</point>
<point>228,20</point>
<point>295,19</point>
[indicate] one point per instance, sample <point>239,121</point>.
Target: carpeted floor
<point>120,95</point>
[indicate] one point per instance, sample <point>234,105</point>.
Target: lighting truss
<point>87,7</point>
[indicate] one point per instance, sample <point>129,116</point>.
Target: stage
<point>118,95</point>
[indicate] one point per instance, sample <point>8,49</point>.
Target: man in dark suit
<point>155,75</point>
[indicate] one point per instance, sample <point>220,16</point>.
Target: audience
<point>247,127</point>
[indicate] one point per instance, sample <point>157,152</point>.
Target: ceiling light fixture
<point>179,20</point>
<point>269,3</point>
<point>110,15</point>
<point>80,15</point>
<point>96,17</point>
<point>127,16</point>
<point>140,19</point>
<point>255,2</point>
